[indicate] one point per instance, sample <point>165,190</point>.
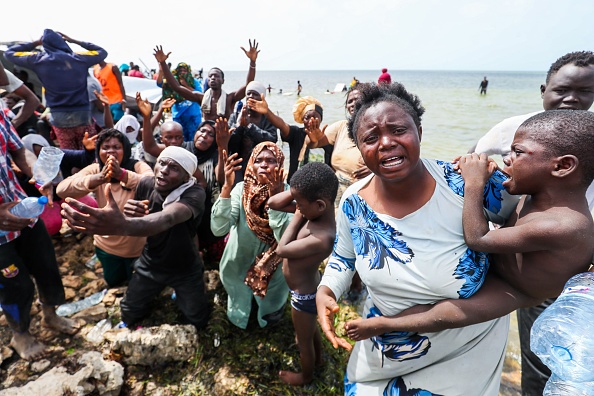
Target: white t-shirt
<point>13,82</point>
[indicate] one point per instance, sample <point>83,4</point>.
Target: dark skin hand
<point>102,221</point>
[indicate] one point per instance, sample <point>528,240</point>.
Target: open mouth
<point>392,162</point>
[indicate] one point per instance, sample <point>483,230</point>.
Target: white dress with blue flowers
<point>419,259</point>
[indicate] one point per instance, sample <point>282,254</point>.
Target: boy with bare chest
<point>307,241</point>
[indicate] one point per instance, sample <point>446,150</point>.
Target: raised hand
<point>101,96</point>
<point>243,117</point>
<point>167,103</point>
<point>223,134</point>
<point>144,106</point>
<point>253,51</point>
<point>160,56</point>
<point>313,131</point>
<point>276,181</point>
<point>89,142</point>
<point>476,169</point>
<point>259,106</point>
<point>232,164</point>
<point>88,220</point>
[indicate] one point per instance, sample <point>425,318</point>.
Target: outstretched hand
<point>102,97</point>
<point>253,51</point>
<point>313,131</point>
<point>160,56</point>
<point>259,106</point>
<point>89,142</point>
<point>144,105</point>
<point>276,181</point>
<point>103,221</point>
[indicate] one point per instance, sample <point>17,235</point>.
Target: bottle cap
<point>42,200</point>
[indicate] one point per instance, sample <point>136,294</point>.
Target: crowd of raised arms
<point>444,248</point>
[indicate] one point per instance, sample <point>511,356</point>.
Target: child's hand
<point>476,169</point>
<point>134,208</point>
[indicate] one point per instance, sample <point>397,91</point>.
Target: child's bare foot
<point>360,329</point>
<point>27,346</point>
<point>291,378</point>
<point>58,323</point>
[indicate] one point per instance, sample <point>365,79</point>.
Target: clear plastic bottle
<point>557,387</point>
<point>77,306</point>
<point>28,208</point>
<point>47,166</point>
<point>561,337</point>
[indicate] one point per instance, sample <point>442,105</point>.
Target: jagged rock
<point>90,275</point>
<point>40,366</point>
<point>211,279</point>
<point>155,345</point>
<point>72,281</point>
<point>112,295</point>
<point>92,314</point>
<point>92,287</point>
<point>5,353</point>
<point>97,376</point>
<point>226,382</point>
<point>69,293</point>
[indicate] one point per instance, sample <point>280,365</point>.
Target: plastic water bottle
<point>557,387</point>
<point>77,306</point>
<point>28,208</point>
<point>47,166</point>
<point>562,338</point>
<point>96,334</point>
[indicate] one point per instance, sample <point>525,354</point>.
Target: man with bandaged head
<point>166,209</point>
<point>248,129</point>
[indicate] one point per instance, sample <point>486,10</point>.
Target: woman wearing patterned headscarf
<point>250,266</point>
<point>115,166</point>
<point>186,112</point>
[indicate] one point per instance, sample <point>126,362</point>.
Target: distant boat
<point>340,87</point>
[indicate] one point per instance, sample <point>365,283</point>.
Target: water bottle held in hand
<point>47,166</point>
<point>28,208</point>
<point>561,336</point>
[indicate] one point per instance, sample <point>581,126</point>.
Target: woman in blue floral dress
<point>401,230</point>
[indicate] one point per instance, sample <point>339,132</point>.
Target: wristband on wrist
<point>122,174</point>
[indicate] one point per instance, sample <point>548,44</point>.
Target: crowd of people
<point>445,249</point>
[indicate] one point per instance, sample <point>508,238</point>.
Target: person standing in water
<point>483,86</point>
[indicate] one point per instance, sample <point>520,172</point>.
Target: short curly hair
<point>372,94</point>
<point>315,180</point>
<point>565,132</point>
<point>578,58</point>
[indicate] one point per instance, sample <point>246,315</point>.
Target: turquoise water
<point>456,115</point>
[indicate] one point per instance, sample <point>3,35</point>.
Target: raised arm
<point>107,116</point>
<point>161,57</point>
<point>282,202</point>
<point>261,106</point>
<point>31,104</point>
<point>148,140</point>
<point>252,54</point>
